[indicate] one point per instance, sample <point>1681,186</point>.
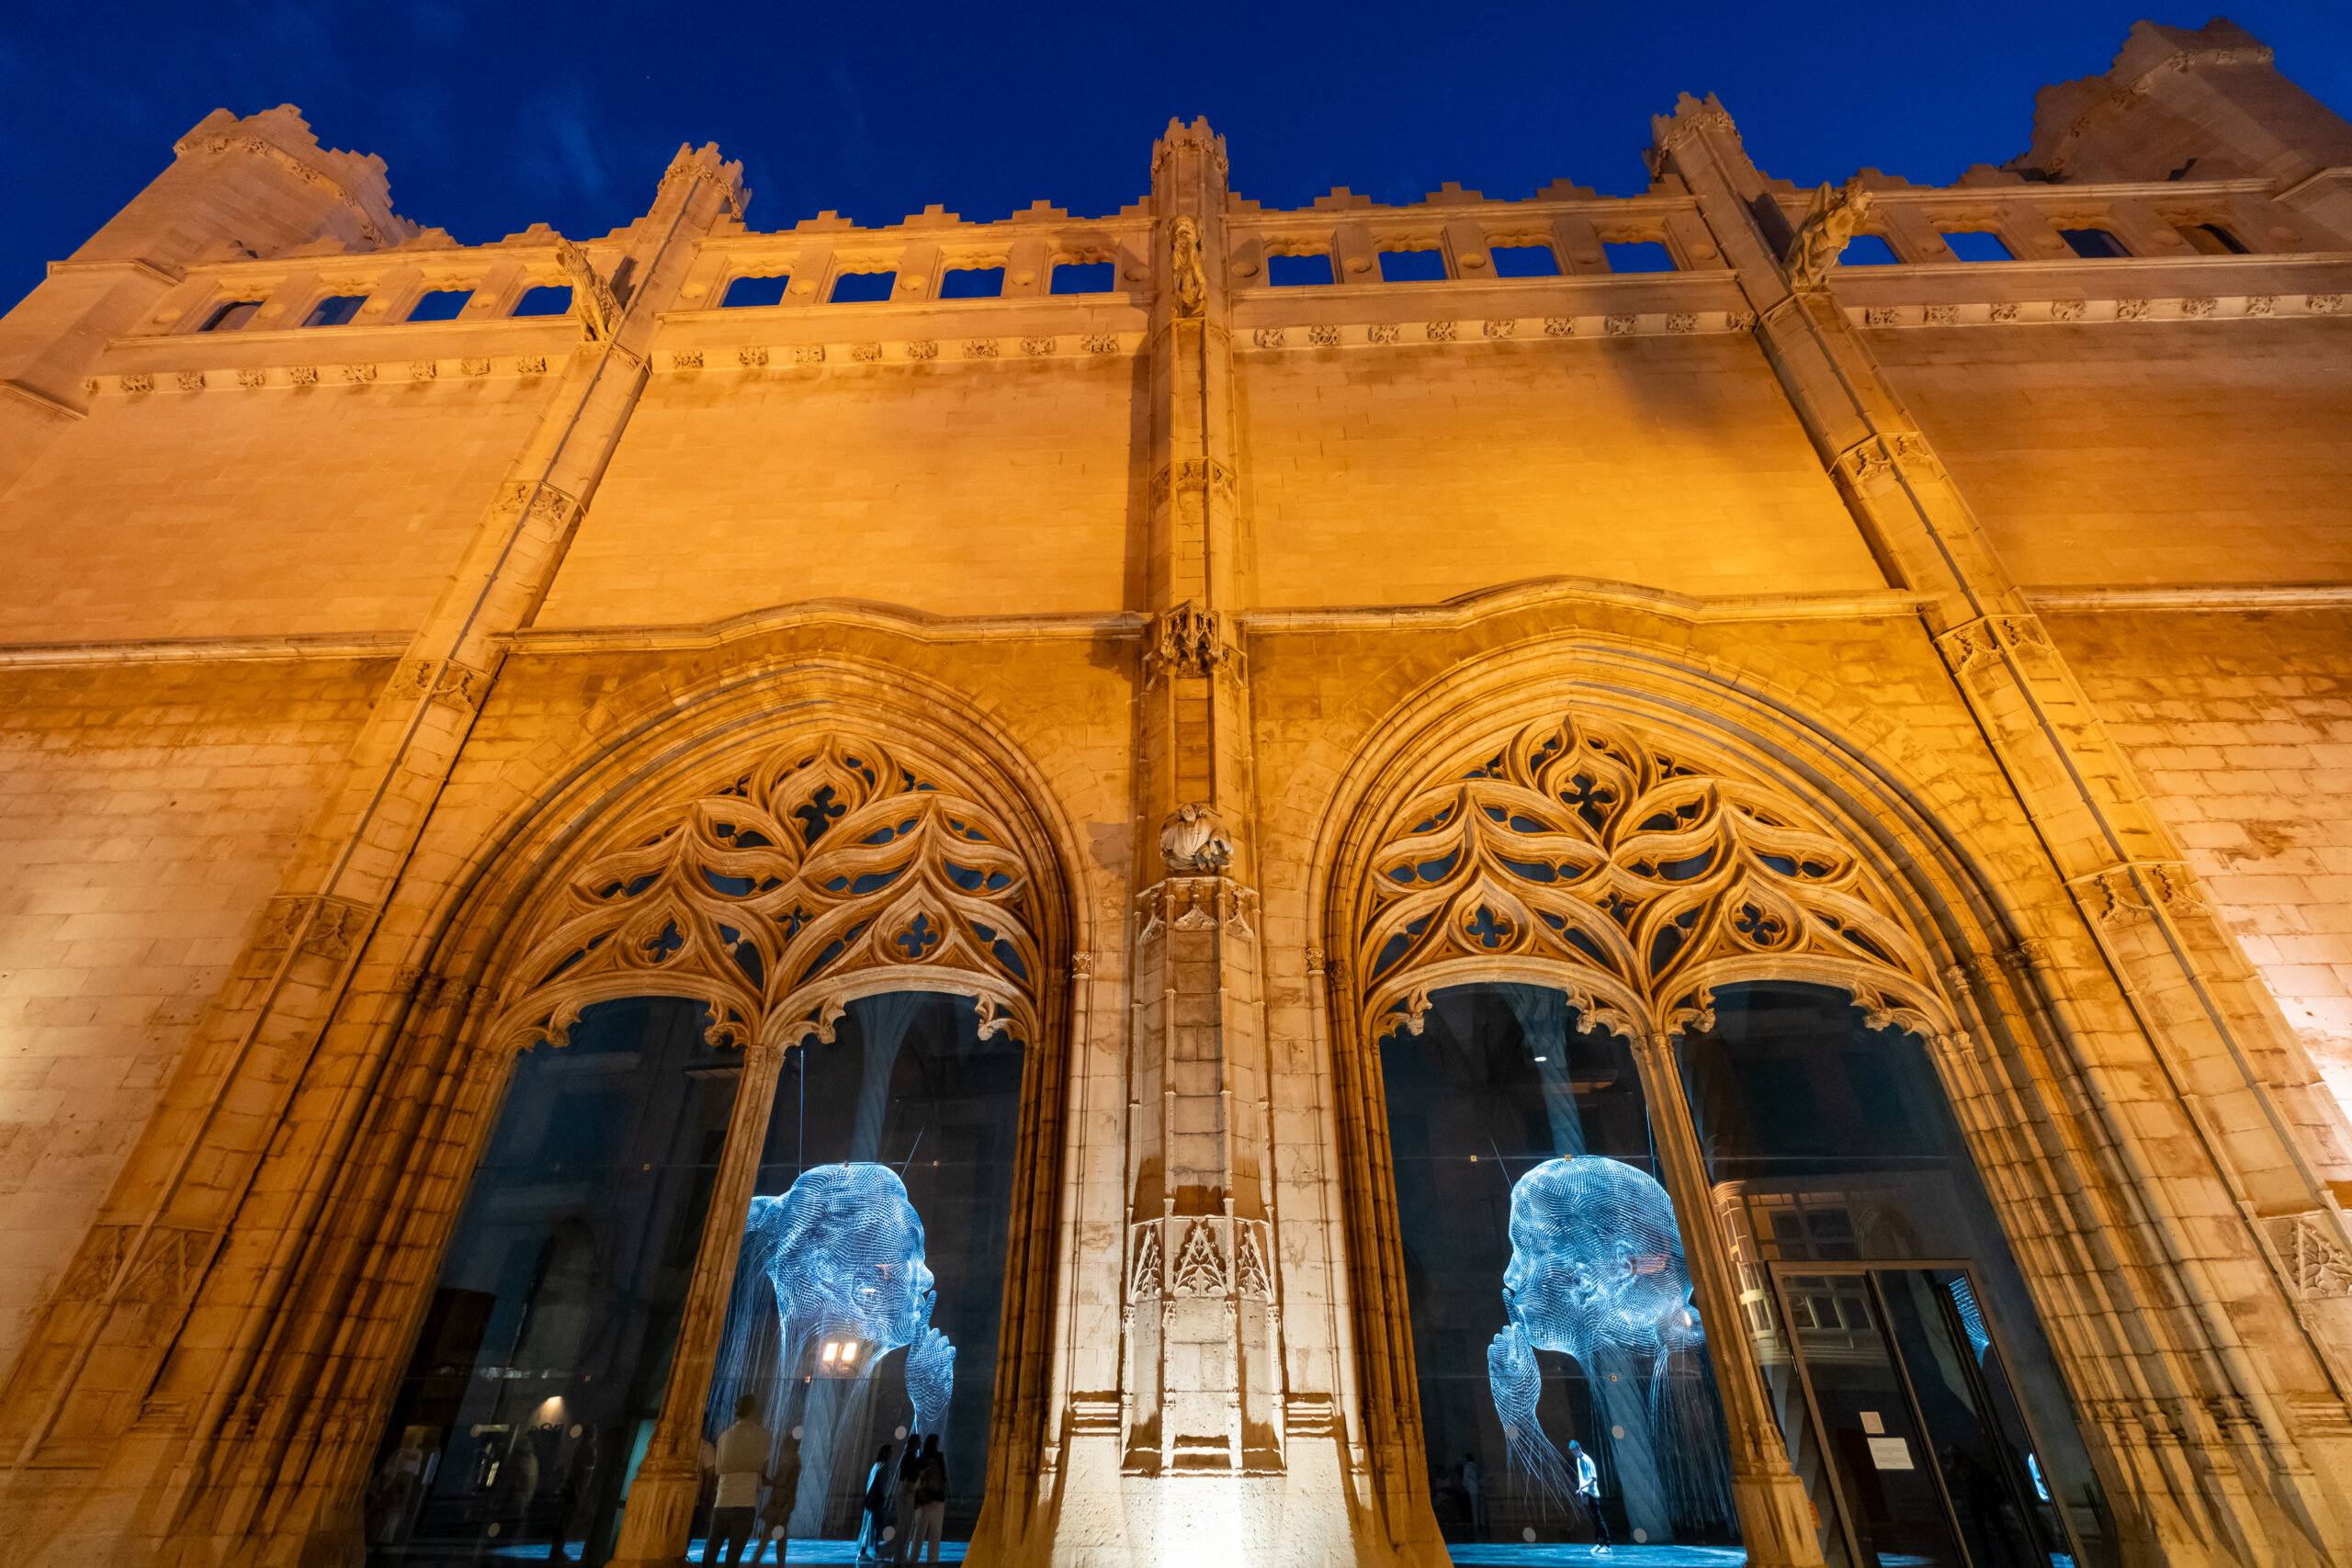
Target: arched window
<point>759,1145</point>
<point>1536,925</point>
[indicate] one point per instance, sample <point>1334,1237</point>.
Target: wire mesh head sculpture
<point>844,1252</point>
<point>1596,1272</point>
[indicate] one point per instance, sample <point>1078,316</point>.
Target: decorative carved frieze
<point>170,1261</point>
<point>250,377</point>
<point>2198,307</point>
<point>752,358</point>
<point>1619,325</point>
<point>1191,639</point>
<point>1504,327</point>
<point>2113,897</point>
<point>685,359</point>
<point>1323,336</point>
<point>979,348</point>
<point>924,349</point>
<point>1634,876</point>
<point>1267,337</point>
<point>138,381</point>
<point>1681,321</point>
<point>476,364</point>
<point>424,369</point>
<point>1192,1257</point>
<point>1191,474</point>
<point>191,380</point>
<point>1194,904</point>
<point>1981,640</point>
<point>360,375</point>
<point>809,354</point>
<point>530,364</point>
<point>1038,348</point>
<point>1098,343</point>
<point>324,927</point>
<point>1381,331</point>
<point>2067,309</point>
<point>1559,326</point>
<point>1439,332</point>
<point>443,680</point>
<point>831,868</point>
<point>2315,1264</point>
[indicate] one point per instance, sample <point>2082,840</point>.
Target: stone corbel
<point>2112,897</point>
<point>443,680</point>
<point>1192,640</point>
<point>324,927</point>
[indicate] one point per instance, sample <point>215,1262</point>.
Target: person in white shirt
<point>739,1458</point>
<point>1588,1495</point>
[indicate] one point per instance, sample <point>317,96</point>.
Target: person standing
<point>871,1536</point>
<point>739,1460</point>
<point>902,1502</point>
<point>931,1501</point>
<point>1474,1488</point>
<point>784,1490</point>
<point>1588,1495</point>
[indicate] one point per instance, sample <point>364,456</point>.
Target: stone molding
<point>2081,310</point>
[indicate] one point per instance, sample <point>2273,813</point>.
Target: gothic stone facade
<point>340,658</point>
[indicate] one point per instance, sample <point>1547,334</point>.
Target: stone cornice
<point>897,620</point>
<point>1534,592</point>
<point>2194,596</point>
<point>209,649</point>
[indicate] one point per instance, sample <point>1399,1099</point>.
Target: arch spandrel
<point>829,868</point>
<point>1637,875</point>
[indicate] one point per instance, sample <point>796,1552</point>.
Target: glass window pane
<point>535,1385</point>
<point>1551,1301</point>
<point>871,1277</point>
<point>1801,1110</point>
<point>335,311</point>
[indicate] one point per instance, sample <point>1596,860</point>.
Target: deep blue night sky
<point>495,116</point>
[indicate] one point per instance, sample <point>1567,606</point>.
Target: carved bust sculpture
<point>1194,840</point>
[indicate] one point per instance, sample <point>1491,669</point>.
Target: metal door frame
<point>1778,1272</point>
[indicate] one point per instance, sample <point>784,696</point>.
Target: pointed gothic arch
<point>780,887</point>
<point>1636,873</point>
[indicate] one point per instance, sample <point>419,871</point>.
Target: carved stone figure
<point>1185,260</point>
<point>1192,839</point>
<point>1828,224</point>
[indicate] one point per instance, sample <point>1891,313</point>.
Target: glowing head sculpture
<point>845,1252</point>
<point>1596,1271</point>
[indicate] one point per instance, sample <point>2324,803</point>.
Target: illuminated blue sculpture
<point>844,1250</point>
<point>1597,1272</point>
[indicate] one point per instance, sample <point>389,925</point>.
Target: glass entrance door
<point>1930,1456</point>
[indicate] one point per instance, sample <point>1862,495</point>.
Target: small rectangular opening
<point>1977,245</point>
<point>863,287</point>
<point>1083,278</point>
<point>756,291</point>
<point>1524,261</point>
<point>548,299</point>
<point>2209,239</point>
<point>1638,256</point>
<point>2094,245</point>
<point>335,310</point>
<point>1298,272</point>
<point>441,305</point>
<point>232,316</point>
<point>1867,250</point>
<point>1412,266</point>
<point>972,283</point>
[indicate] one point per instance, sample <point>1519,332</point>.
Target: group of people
<point>905,1504</point>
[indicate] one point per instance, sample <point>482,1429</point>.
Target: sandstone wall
<point>2239,725</point>
<point>228,512</point>
<point>147,813</point>
<point>1410,475</point>
<point>2127,453</point>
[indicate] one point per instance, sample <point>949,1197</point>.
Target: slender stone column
<point>187,1387</point>
<point>2256,1154</point>
<point>661,1499</point>
<point>1775,1515</point>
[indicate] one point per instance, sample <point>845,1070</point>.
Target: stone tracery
<point>831,869</point>
<point>1647,873</point>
